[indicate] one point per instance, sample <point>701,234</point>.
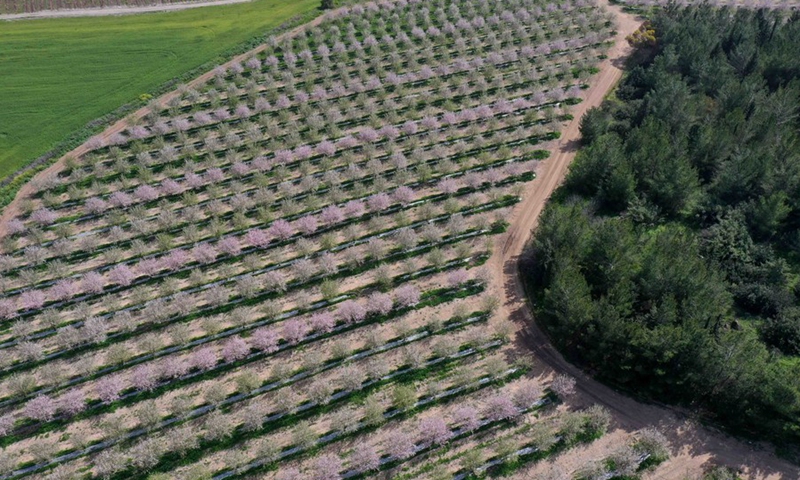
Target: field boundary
<point>116,10</point>
<point>11,185</point>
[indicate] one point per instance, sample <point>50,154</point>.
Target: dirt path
<point>694,447</point>
<point>107,11</point>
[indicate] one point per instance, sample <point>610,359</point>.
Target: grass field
<point>59,74</point>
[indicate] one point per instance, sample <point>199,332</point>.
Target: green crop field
<point>59,74</point>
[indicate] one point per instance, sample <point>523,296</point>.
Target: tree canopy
<point>668,262</point>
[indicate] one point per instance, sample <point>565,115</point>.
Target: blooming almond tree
<point>364,458</point>
<point>563,386</point>
<point>407,295</point>
<point>433,431</point>
<point>108,388</point>
<point>235,349</point>
<point>41,408</point>
<point>467,418</point>
<point>326,467</point>
<point>379,303</point>
<point>500,407</point>
<point>399,445</point>
<point>351,311</point>
<point>265,339</point>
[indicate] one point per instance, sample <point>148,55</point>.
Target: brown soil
<point>694,447</point>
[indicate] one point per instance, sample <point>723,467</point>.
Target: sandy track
<point>694,447</point>
<point>108,11</point>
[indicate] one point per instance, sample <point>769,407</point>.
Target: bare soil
<point>695,447</point>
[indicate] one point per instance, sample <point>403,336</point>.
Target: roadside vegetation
<point>668,262</point>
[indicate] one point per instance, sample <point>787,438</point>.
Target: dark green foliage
<point>669,262</point>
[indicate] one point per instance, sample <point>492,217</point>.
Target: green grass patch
<point>60,74</point>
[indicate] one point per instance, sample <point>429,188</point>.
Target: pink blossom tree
<point>41,408</point>
<point>72,402</point>
<point>108,388</point>
<point>353,209</point>
<point>95,205</point>
<point>400,445</point>
<point>404,195</point>
<point>32,299</point>
<point>379,202</point>
<point>467,418</point>
<point>274,281</point>
<point>379,303</point>
<point>457,277</point>
<point>122,275</point>
<point>500,407</point>
<point>204,253</point>
<point>364,458</point>
<point>327,467</point>
<point>145,193</point>
<point>258,238</point>
<point>563,385</point>
<point>407,295</point>
<point>331,215</point>
<point>447,186</point>
<point>281,229</point>
<point>63,289</point>
<point>230,246</point>
<point>433,430</point>
<point>203,359</point>
<point>294,330</point>
<point>322,322</point>
<point>144,377</point>
<point>351,311</point>
<point>307,224</point>
<point>235,349</point>
<point>44,216</point>
<point>265,339</point>
<point>6,424</point>
<point>526,394</point>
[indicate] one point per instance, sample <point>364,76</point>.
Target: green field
<point>59,74</point>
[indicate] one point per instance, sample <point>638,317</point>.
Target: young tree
<point>404,397</point>
<point>563,386</point>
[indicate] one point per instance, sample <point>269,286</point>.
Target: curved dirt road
<point>694,447</point>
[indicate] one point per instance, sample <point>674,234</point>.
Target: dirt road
<point>107,11</point>
<point>694,447</point>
